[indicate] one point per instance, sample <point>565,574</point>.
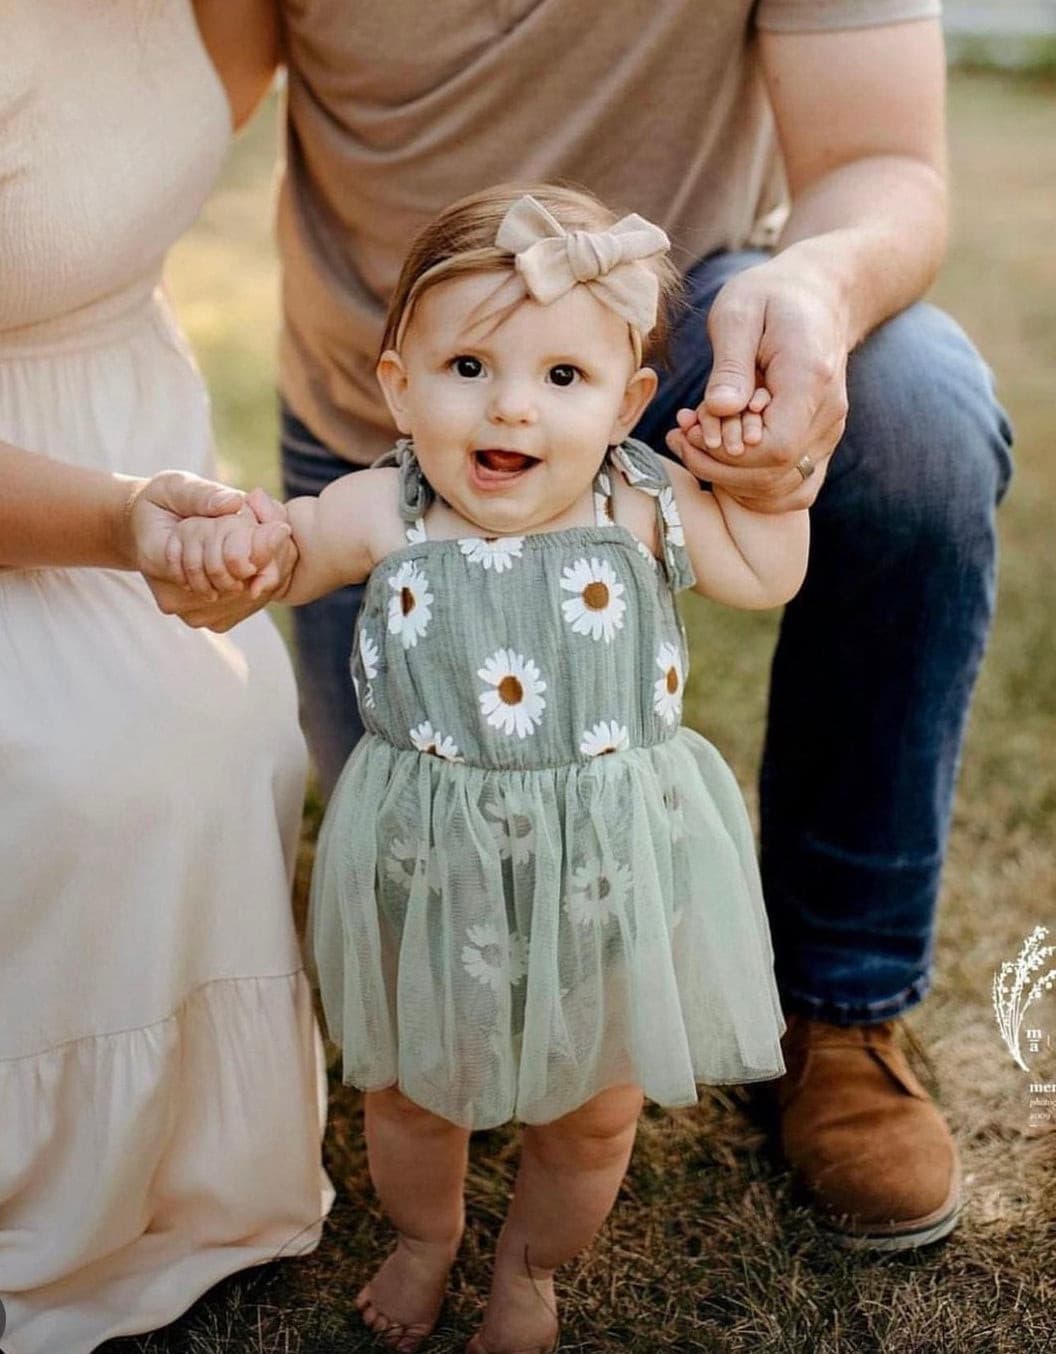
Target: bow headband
<point>551,260</point>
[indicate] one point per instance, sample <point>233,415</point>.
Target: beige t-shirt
<point>398,107</point>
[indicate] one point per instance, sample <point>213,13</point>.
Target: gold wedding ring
<point>806,467</point>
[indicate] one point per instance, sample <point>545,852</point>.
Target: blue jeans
<point>874,666</point>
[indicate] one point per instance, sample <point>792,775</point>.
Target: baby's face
<point>510,424</point>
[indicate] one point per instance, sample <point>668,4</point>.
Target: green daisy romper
<point>532,883</point>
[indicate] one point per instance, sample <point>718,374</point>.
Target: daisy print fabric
<point>603,738</point>
<point>512,827</point>
<point>512,700</point>
<point>429,740</point>
<point>595,896</point>
<point>526,821</point>
<point>596,607</point>
<point>494,960</point>
<point>370,659</point>
<point>411,606</point>
<point>492,552</point>
<point>667,689</point>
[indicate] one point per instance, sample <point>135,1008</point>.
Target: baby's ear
<point>392,377</point>
<point>640,390</point>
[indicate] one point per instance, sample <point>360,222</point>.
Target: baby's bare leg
<point>418,1165</point>
<point>569,1177</point>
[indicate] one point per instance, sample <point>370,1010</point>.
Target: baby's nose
<point>511,402</point>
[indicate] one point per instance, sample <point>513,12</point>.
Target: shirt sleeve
<point>818,16</point>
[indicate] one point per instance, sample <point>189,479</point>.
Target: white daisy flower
<point>411,607</point>
<point>492,552</point>
<point>492,958</point>
<point>594,894</point>
<point>598,606</point>
<point>647,554</point>
<point>427,739</point>
<point>669,509</point>
<point>416,532</point>
<point>602,738</point>
<point>667,691</point>
<point>515,703</point>
<point>514,831</point>
<point>405,860</point>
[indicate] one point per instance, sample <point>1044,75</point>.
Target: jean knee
<point>927,444</point>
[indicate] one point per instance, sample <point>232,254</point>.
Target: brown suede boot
<point>865,1137</point>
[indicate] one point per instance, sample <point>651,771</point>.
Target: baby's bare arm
<point>342,534</point>
<point>744,558</point>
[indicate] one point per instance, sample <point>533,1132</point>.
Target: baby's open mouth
<point>494,461</point>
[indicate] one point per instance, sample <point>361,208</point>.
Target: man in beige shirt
<point>814,128</point>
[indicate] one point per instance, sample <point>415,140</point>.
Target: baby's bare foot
<point>402,1301</point>
<point>521,1317</point>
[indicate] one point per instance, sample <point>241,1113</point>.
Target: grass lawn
<point>709,1248</point>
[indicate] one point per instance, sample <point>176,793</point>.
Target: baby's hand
<point>219,555</point>
<point>732,434</point>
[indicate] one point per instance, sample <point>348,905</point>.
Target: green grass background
<point>709,1248</point>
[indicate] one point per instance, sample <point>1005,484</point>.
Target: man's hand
<point>779,325</point>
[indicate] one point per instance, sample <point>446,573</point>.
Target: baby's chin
<point>504,515</point>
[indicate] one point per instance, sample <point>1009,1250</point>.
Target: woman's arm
<point>244,42</point>
<point>60,515</point>
<point>743,558</point>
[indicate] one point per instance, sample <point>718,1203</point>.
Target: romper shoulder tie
<point>644,469</point>
<point>415,493</point>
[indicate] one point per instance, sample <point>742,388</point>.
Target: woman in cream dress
<point>160,1117</point>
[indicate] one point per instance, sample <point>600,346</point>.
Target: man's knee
<point>927,444</point>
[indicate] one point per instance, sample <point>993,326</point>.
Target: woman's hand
<point>154,512</point>
<point>156,506</point>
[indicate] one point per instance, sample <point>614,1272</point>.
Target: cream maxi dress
<point>159,1108</point>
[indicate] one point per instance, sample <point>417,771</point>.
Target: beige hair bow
<point>552,260</point>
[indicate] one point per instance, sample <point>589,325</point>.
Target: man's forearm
<point>877,228</point>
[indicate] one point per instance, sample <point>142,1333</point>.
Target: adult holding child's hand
<point>774,324</point>
<point>159,1069</point>
<point>224,582</point>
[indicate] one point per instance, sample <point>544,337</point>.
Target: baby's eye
<point>564,374</point>
<point>468,367</point>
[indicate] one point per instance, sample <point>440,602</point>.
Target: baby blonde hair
<point>462,240</point>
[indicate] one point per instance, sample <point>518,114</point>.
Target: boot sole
<point>907,1240</point>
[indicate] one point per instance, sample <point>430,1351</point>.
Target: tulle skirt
<point>506,944</point>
